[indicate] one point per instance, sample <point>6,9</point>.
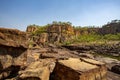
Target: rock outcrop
<point>60,33</point>
<point>13,46</point>
<point>31,29</point>
<point>111,28</point>
<point>54,33</point>
<point>57,55</point>
<point>79,69</point>
<point>12,37</point>
<point>48,62</point>
<point>38,70</point>
<point>85,31</point>
<point>105,49</point>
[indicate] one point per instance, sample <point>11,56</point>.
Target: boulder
<point>5,74</point>
<point>35,71</point>
<point>5,66</point>
<point>5,61</point>
<point>79,69</point>
<point>10,56</point>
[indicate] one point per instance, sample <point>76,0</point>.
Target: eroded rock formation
<point>51,34</point>
<point>38,70</point>
<point>68,64</point>
<point>110,28</point>
<point>12,51</point>
<point>107,49</point>
<point>31,29</point>
<point>49,62</point>
<point>79,69</point>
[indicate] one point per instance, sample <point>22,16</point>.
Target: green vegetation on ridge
<point>94,38</point>
<point>109,32</point>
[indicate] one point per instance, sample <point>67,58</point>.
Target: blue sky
<point>20,13</point>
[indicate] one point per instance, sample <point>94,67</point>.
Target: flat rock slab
<point>79,69</point>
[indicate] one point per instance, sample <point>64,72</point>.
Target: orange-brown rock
<point>12,37</point>
<point>38,70</point>
<point>13,46</point>
<point>31,29</point>
<point>60,33</point>
<point>85,31</point>
<point>41,38</point>
<point>79,69</point>
<point>54,33</point>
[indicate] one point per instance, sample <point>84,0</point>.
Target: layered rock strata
<point>79,69</point>
<point>13,53</point>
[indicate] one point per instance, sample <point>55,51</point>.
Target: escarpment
<point>53,33</point>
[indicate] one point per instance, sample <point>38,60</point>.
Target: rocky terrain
<point>13,51</point>
<point>89,51</point>
<point>54,33</point>
<point>45,60</point>
<point>110,49</point>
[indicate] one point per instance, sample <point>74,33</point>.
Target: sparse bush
<point>111,37</point>
<point>41,29</point>
<point>94,38</point>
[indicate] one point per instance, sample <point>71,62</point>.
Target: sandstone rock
<point>86,31</point>
<point>76,69</point>
<point>57,53</point>
<point>5,61</point>
<point>51,34</point>
<point>5,74</point>
<point>40,39</point>
<point>32,57</point>
<point>18,55</point>
<point>107,60</point>
<point>111,49</point>
<point>35,71</point>
<point>12,37</point>
<point>86,55</point>
<point>52,46</point>
<point>112,76</point>
<point>13,46</point>
<point>60,31</point>
<point>31,29</point>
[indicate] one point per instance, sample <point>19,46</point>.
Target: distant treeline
<point>112,27</point>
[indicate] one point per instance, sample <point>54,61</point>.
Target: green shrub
<point>111,37</point>
<point>88,38</point>
<point>41,29</point>
<point>118,34</point>
<point>95,38</point>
